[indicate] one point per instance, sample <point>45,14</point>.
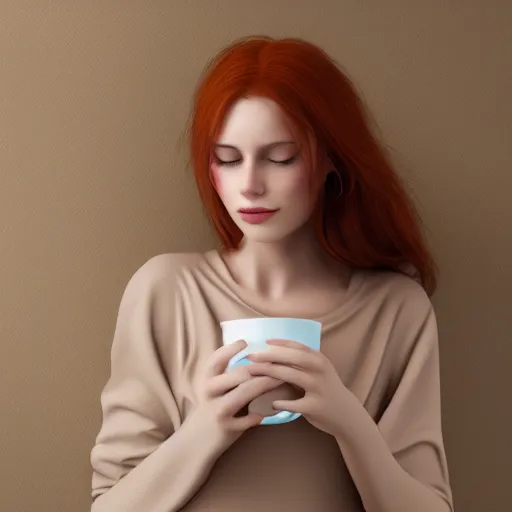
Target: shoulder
<point>161,272</point>
<point>396,294</point>
<point>165,266</point>
<point>402,309</point>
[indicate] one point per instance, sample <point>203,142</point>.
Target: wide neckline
<point>218,266</point>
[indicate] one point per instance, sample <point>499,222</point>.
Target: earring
<point>337,189</point>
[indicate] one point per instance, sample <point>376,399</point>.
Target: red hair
<point>373,224</point>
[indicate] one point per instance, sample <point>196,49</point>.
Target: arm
<point>139,463</point>
<point>165,480</point>
<point>400,464</point>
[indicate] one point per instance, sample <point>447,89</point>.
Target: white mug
<point>256,332</point>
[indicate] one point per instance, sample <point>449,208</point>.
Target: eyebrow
<point>266,146</point>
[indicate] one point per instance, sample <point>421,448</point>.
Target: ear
<point>322,162</point>
<point>327,167</point>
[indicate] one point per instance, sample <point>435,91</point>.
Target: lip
<point>256,215</point>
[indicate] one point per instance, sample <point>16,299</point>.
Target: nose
<point>253,184</point>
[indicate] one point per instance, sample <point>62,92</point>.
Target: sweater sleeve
<point>140,460</point>
<point>411,423</point>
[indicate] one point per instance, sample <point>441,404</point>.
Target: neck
<point>274,269</point>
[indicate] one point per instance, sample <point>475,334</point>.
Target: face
<point>259,172</point>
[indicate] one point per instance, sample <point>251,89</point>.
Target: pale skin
<point>259,164</point>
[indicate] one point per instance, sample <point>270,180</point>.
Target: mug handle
<point>276,419</point>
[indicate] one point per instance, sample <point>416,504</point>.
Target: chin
<point>267,234</point>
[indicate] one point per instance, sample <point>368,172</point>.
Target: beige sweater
<point>382,341</point>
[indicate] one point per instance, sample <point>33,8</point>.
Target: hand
<point>224,394</point>
<point>325,396</point>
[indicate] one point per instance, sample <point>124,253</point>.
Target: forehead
<point>254,122</point>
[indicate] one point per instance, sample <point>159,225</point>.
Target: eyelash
<point>232,163</point>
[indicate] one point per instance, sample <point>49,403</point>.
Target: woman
<point>314,224</point>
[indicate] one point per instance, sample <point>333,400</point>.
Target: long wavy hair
<point>373,224</point>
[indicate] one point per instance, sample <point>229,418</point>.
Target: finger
<point>296,406</point>
<point>246,392</point>
<point>287,356</point>
<point>245,422</point>
<point>221,384</point>
<point>290,344</point>
<point>220,358</point>
<point>293,376</point>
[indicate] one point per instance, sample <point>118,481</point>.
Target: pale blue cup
<point>256,332</point>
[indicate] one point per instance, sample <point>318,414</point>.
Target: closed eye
<point>288,161</point>
<point>227,162</point>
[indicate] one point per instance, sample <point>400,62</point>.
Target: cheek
<point>300,194</point>
<point>216,178</point>
<point>300,185</point>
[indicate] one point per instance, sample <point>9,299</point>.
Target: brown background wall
<point>94,97</point>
